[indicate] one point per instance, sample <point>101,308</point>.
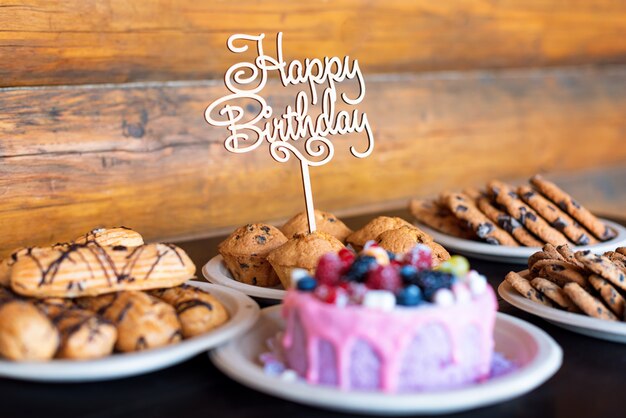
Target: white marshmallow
<point>297,275</point>
<point>478,284</point>
<point>443,297</point>
<point>461,293</point>
<point>379,299</point>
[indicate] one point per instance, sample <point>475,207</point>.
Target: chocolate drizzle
<point>192,303</point>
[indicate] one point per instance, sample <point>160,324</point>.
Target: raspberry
<point>329,269</point>
<point>384,278</point>
<point>347,258</point>
<point>332,295</point>
<point>419,257</point>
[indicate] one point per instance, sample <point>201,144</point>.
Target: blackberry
<point>359,269</point>
<point>431,280</point>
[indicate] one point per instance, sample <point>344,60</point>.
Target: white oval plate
<point>215,271</point>
<point>517,255</point>
<point>582,324</point>
<point>243,311</point>
<point>538,356</point>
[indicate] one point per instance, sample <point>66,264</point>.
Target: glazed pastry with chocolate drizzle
<point>112,236</point>
<point>104,237</point>
<point>26,334</point>
<point>142,321</point>
<point>84,335</point>
<point>90,269</point>
<point>198,311</point>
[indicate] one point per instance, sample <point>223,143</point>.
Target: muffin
<point>325,222</point>
<point>401,240</point>
<point>373,229</point>
<point>245,254</point>
<point>302,251</point>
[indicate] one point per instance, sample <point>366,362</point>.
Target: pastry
<point>401,240</point>
<point>324,222</point>
<point>302,251</point>
<point>373,229</point>
<point>26,334</point>
<point>89,270</point>
<point>395,327</point>
<point>573,208</point>
<point>439,217</point>
<point>112,236</point>
<point>506,196</point>
<point>198,311</point>
<point>245,254</point>
<point>142,321</point>
<point>508,223</point>
<point>464,208</point>
<point>556,217</point>
<point>84,335</point>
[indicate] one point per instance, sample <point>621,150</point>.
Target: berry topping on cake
<point>377,279</point>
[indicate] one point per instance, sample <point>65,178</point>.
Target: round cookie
<point>573,208</point>
<point>568,255</point>
<point>611,297</point>
<point>552,292</point>
<point>438,217</point>
<point>401,240</point>
<point>525,289</point>
<point>556,217</point>
<point>603,267</point>
<point>508,223</point>
<point>538,256</point>
<point>552,252</point>
<point>245,252</point>
<point>324,221</point>
<point>506,196</point>
<point>464,208</point>
<point>373,229</point>
<point>559,272</point>
<point>621,250</point>
<point>616,258</point>
<point>587,303</point>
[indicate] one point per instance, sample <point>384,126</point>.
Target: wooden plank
<point>77,41</point>
<point>142,155</point>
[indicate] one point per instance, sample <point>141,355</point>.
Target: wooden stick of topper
<point>245,80</point>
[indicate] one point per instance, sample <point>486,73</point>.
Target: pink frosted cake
<point>382,322</point>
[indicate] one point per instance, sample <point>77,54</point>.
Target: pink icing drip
<point>388,333</point>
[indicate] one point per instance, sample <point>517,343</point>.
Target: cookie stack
<point>263,255</point>
<point>579,281</point>
<point>104,291</point>
<point>528,215</point>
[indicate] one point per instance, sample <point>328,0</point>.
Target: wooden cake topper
<point>246,80</point>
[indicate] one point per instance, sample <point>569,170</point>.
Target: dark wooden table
<point>591,382</point>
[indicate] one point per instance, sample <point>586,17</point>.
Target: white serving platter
<point>243,311</point>
<point>582,324</point>
<point>215,271</point>
<point>516,255</point>
<point>537,355</point>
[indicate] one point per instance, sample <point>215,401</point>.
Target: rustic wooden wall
<point>458,92</point>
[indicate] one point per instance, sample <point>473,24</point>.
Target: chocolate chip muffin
<point>325,222</point>
<point>302,251</point>
<point>401,240</point>
<point>245,254</point>
<point>373,229</point>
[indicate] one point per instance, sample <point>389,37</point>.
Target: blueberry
<point>307,284</point>
<point>359,269</point>
<point>391,256</point>
<point>430,281</point>
<point>409,296</point>
<point>408,274</point>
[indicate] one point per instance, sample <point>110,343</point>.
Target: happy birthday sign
<point>251,127</point>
